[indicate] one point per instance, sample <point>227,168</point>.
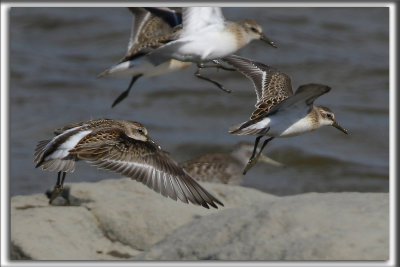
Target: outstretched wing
<point>145,163</point>
<point>151,28</point>
<point>197,18</point>
<point>271,85</point>
<point>304,96</point>
<point>170,16</point>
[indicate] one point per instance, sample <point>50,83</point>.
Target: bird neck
<point>315,117</point>
<point>240,36</point>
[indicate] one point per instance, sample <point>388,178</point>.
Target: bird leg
<point>126,92</point>
<point>218,65</point>
<point>253,159</point>
<point>198,75</point>
<point>58,188</point>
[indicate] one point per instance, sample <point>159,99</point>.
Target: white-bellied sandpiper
<point>124,147</point>
<point>207,36</point>
<point>279,112</point>
<point>225,168</point>
<point>149,30</point>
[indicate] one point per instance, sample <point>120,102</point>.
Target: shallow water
<point>56,53</point>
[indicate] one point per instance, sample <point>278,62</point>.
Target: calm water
<point>56,53</point>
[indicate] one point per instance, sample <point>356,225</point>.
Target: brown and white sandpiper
<point>124,147</point>
<point>225,168</point>
<point>149,30</point>
<point>279,112</point>
<point>207,36</point>
<point>152,27</point>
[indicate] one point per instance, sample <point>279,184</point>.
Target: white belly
<point>210,46</point>
<point>285,124</point>
<point>143,67</point>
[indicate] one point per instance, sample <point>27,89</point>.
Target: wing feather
<point>152,167</point>
<point>151,28</point>
<point>271,85</point>
<point>194,19</point>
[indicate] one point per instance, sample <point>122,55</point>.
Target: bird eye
<point>329,116</point>
<point>253,29</point>
<point>140,131</point>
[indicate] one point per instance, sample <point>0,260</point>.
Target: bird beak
<point>268,41</point>
<point>270,161</point>
<point>337,126</point>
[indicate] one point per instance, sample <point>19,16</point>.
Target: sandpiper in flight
<point>124,147</point>
<point>225,168</point>
<point>151,28</point>
<point>207,36</point>
<point>149,31</point>
<point>279,112</point>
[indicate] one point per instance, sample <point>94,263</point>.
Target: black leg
<point>263,145</point>
<point>217,65</point>
<point>62,180</point>
<point>255,147</point>
<point>198,75</point>
<point>126,92</point>
<point>58,188</point>
<point>253,160</point>
<point>220,66</point>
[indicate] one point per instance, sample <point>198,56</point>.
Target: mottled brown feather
<point>216,168</point>
<point>114,145</point>
<point>149,31</point>
<point>271,85</point>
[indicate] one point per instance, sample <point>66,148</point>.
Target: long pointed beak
<point>270,161</point>
<point>337,126</point>
<point>268,41</point>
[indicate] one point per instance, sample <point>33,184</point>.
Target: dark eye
<point>329,116</point>
<point>140,131</point>
<point>253,29</point>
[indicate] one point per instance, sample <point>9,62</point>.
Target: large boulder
<point>110,219</point>
<point>328,226</point>
<point>43,232</point>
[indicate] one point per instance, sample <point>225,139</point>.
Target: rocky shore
<point>120,219</point>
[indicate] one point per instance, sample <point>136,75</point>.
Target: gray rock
<point>43,232</point>
<point>328,226</point>
<point>111,219</point>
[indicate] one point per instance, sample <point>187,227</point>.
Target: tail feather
<point>122,69</point>
<point>39,152</point>
<point>247,128</point>
<point>66,164</point>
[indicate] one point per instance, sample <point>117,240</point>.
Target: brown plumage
<point>124,147</point>
<point>150,31</point>
<point>225,168</point>
<point>271,85</point>
<point>279,112</point>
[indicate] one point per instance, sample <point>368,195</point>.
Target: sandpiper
<point>149,30</point>
<point>124,147</point>
<point>279,112</point>
<point>207,36</point>
<point>225,168</point>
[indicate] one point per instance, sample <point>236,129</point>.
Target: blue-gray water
<point>56,53</point>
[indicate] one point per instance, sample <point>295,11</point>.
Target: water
<point>56,53</point>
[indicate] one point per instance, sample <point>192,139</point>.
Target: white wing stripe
<point>63,150</point>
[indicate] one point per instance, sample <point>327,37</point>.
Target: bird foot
<point>249,165</point>
<point>56,192</point>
